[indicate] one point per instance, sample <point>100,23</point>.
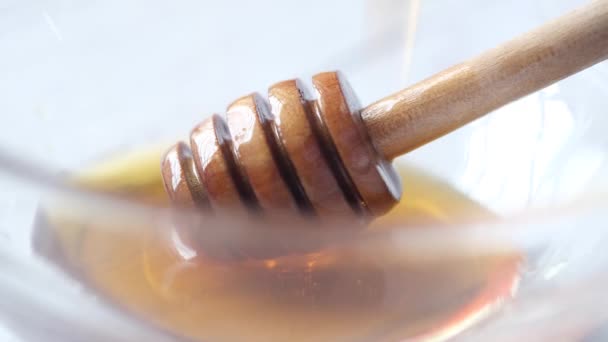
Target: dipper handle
<point>448,100</point>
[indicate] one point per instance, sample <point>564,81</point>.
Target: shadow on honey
<point>367,289</point>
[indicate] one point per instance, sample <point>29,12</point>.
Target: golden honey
<point>356,293</point>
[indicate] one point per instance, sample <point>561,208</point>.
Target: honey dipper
<point>325,156</point>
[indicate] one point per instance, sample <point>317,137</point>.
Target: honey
<point>358,292</point>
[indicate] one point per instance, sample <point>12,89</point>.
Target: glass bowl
<point>498,236</point>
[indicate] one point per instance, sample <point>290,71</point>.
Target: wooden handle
<point>446,101</point>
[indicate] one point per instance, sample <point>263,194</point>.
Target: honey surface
<point>343,294</point>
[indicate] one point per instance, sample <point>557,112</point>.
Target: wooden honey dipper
<point>326,156</point>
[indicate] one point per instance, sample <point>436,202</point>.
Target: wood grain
<point>371,178</point>
<point>448,100</point>
<point>289,103</point>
